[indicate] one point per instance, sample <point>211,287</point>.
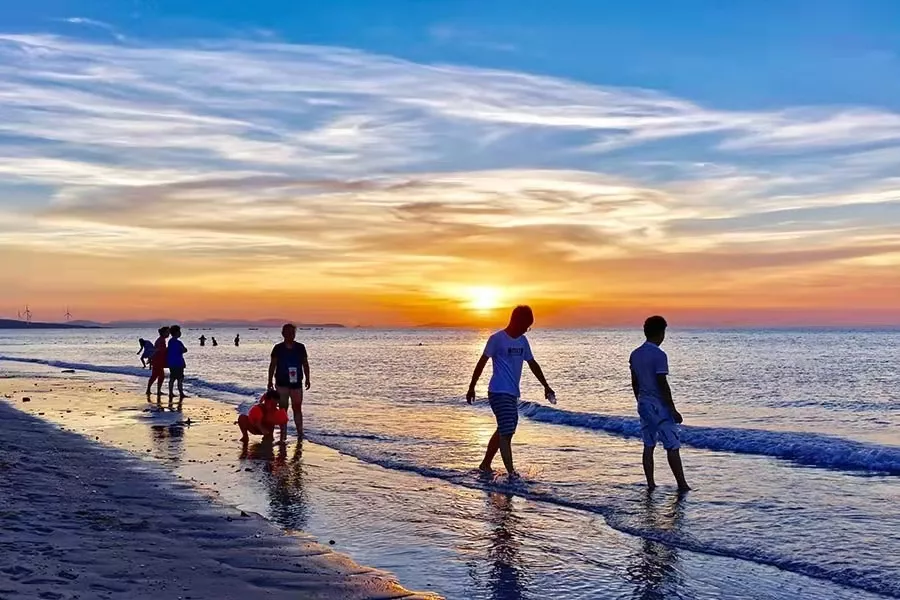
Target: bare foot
<point>651,487</point>
<point>684,488</point>
<point>485,468</point>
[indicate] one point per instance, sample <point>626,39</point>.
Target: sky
<point>401,162</point>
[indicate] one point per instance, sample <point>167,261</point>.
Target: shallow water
<point>795,458</point>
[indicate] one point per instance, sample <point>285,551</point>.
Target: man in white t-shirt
<point>508,350</point>
<point>659,418</point>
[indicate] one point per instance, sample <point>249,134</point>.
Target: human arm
<point>662,383</point>
<point>476,375</point>
<point>539,374</point>
<point>306,369</point>
<point>273,362</point>
<point>635,386</point>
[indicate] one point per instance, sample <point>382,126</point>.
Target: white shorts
<point>657,425</point>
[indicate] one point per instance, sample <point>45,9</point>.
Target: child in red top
<point>263,418</point>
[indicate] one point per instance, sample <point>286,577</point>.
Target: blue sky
<point>737,54</point>
<point>659,155</point>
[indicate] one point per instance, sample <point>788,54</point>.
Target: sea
<point>791,441</point>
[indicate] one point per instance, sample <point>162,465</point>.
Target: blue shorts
<point>506,409</point>
<point>657,425</point>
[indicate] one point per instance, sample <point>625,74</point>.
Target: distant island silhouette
<point>14,324</point>
<point>154,323</point>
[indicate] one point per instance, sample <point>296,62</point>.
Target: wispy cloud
<point>375,173</point>
<point>96,24</point>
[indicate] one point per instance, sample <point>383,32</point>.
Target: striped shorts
<point>506,409</point>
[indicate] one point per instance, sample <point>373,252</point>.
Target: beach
<point>80,519</point>
<point>386,473</point>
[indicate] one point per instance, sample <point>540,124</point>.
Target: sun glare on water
<point>483,299</point>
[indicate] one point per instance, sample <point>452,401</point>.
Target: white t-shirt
<point>507,355</point>
<point>647,362</point>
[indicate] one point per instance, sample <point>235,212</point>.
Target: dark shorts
<point>176,372</point>
<point>506,409</point>
<point>284,392</point>
<point>285,383</point>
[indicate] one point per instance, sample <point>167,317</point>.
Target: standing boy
<point>175,357</point>
<point>288,367</point>
<point>659,418</point>
<point>158,363</point>
<point>507,349</point>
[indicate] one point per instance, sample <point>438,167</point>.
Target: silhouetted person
<point>288,367</point>
<point>237,340</point>
<point>656,408</point>
<point>158,364</point>
<point>146,352</point>
<point>214,342</point>
<point>202,340</point>
<point>508,350</point>
<point>175,357</point>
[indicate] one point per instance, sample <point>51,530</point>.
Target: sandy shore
<point>82,520</point>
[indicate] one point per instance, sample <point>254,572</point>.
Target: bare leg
<point>171,388</point>
<point>490,453</point>
<point>648,467</point>
<point>283,432</point>
<point>181,388</point>
<point>297,406</point>
<point>674,457</point>
<point>506,453</point>
<point>242,423</point>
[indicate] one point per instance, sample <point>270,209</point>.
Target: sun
<point>483,299</point>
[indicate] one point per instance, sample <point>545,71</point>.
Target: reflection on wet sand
<point>284,481</point>
<point>507,578</point>
<point>654,569</point>
<point>168,442</point>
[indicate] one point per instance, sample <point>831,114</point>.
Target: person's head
<point>520,321</point>
<point>141,341</point>
<point>655,329</point>
<point>175,330</point>
<point>289,332</point>
<point>163,332</point>
<point>272,395</point>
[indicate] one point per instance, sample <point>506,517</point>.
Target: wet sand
<point>82,519</point>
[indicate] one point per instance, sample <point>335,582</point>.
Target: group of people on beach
<point>288,376</point>
<point>508,351</point>
<point>166,353</point>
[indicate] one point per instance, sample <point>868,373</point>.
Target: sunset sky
<point>400,162</point>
